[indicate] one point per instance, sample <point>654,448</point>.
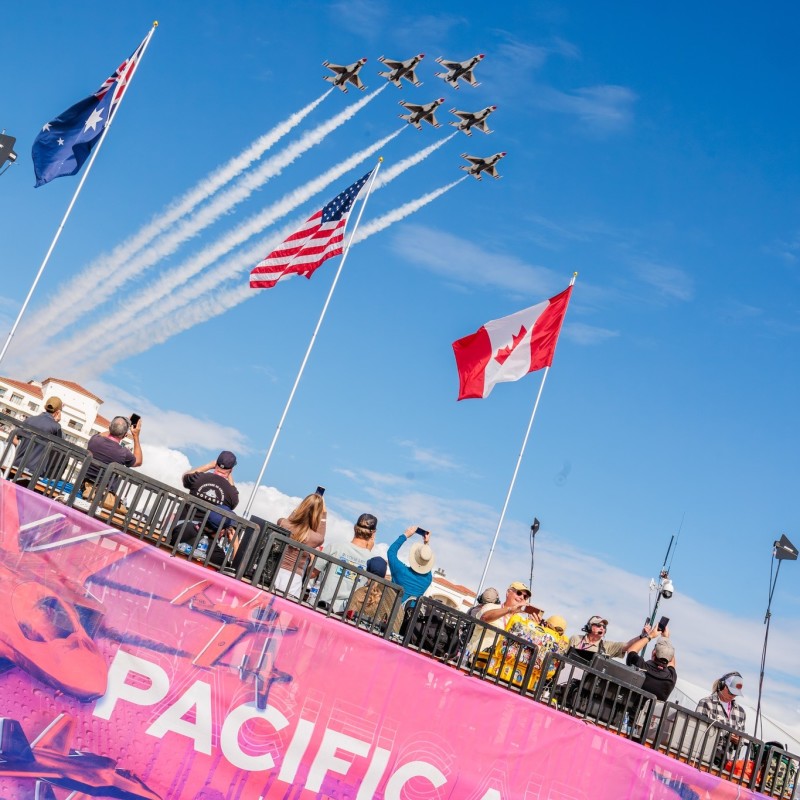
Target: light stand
<point>782,550</point>
<point>7,150</point>
<point>534,531</point>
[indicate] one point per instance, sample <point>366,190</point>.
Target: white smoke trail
<point>140,311</point>
<point>213,305</point>
<point>73,299</point>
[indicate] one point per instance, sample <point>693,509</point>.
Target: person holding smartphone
<point>659,669</point>
<point>415,577</point>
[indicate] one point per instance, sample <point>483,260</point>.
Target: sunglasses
<point>599,625</point>
<point>520,593</point>
<point>558,630</point>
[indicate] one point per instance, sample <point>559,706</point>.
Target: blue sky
<point>652,150</point>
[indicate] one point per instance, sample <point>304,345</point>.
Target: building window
<point>3,391</point>
<point>32,406</point>
<point>16,398</point>
<point>73,423</point>
<point>70,438</point>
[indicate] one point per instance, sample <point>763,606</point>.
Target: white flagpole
<point>95,151</point>
<point>514,476</point>
<point>249,506</point>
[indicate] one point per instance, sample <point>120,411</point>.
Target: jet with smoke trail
<point>158,299</point>
<point>71,302</point>
<point>217,303</point>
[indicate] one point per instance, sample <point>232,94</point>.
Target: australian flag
<point>64,143</point>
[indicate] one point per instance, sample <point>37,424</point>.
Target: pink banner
<point>132,674</point>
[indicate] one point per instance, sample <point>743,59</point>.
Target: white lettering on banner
<point>142,683</point>
<point>296,751</point>
<point>229,738</point>
<point>369,783</point>
<point>492,794</point>
<point>198,698</point>
<point>123,665</point>
<point>327,758</point>
<point>414,769</point>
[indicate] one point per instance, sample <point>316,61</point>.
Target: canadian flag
<point>508,348</point>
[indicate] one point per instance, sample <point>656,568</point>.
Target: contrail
<point>402,212</point>
<point>214,305</point>
<point>72,300</point>
<point>156,301</point>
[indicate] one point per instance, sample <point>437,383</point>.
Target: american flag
<point>319,239</point>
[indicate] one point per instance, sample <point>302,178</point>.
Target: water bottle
<point>201,551</point>
<point>313,591</point>
<point>626,725</point>
<point>185,549</point>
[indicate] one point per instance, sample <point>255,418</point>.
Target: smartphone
<point>320,490</point>
<point>662,624</point>
<point>421,531</point>
<point>533,610</point>
<point>134,420</point>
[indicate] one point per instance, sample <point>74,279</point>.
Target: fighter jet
<point>50,762</point>
<point>344,74</point>
<point>478,165</point>
<point>401,69</point>
<point>459,69</point>
<point>475,119</point>
<point>421,113</point>
<point>50,619</point>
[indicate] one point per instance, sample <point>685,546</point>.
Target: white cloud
<point>581,333</point>
<point>429,458</point>
<point>464,262</point>
<point>670,281</point>
<point>604,108</point>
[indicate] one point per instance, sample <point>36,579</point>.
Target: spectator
<point>415,577</point>
<point>498,615</point>
<point>306,524</point>
<point>490,595</point>
<point>659,670</point>
<point>593,639</point>
<point>46,422</point>
<point>721,705</point>
<point>373,602</point>
<point>107,448</point>
<point>212,482</point>
<point>336,583</point>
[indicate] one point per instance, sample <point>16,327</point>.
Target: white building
<point>80,417</point>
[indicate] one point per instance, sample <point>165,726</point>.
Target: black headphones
<point>721,681</point>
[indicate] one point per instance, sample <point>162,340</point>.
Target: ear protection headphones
<point>720,685</point>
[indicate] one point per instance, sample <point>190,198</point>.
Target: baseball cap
<point>226,460</point>
<point>597,620</point>
<point>520,587</point>
<point>53,404</point>
<point>556,621</point>
<point>733,682</point>
<point>664,649</point>
<point>368,521</point>
<point>490,595</point>
<point>377,566</point>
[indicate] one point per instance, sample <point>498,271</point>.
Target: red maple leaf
<point>504,352</point>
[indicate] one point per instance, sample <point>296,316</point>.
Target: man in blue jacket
<point>415,577</point>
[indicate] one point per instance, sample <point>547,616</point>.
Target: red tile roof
<point>455,587</point>
<point>30,388</point>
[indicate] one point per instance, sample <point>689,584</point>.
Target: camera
<point>667,589</point>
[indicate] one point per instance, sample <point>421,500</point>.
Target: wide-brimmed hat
<point>422,558</point>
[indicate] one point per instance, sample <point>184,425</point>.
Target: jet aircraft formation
<point>397,71</point>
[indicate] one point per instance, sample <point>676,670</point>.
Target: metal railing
<point>265,555</point>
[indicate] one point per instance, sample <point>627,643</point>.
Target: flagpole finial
<point>155,23</point>
<point>380,159</point>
